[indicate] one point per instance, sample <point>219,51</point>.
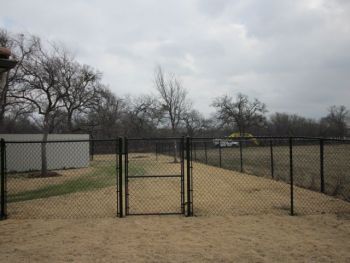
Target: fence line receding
<point>185,176</point>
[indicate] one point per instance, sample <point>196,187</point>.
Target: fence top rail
<point>325,139</point>
<point>62,141</point>
<point>273,138</point>
<point>155,139</point>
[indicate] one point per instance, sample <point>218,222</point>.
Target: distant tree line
<point>49,91</point>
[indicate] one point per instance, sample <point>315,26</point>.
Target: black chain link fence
<point>254,175</point>
<point>204,176</point>
<point>76,184</point>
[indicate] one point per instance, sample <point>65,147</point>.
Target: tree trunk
<point>175,148</point>
<point>69,122</point>
<point>43,147</point>
<point>3,91</point>
<point>175,151</point>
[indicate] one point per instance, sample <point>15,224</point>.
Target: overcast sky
<point>294,55</point>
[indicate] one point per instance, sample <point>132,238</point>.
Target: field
<point>238,216</point>
<point>306,164</point>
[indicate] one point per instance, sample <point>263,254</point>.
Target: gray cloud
<point>293,55</point>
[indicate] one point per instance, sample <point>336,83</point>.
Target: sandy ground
<point>264,238</point>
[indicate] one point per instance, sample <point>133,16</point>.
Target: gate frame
<point>185,206</point>
<point>189,178</point>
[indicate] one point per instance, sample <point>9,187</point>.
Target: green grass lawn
<point>103,175</point>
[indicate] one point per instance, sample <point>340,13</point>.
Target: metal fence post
<point>205,152</point>
<point>191,182</point>
<point>195,151</point>
<point>188,166</point>
<point>120,178</point>
<point>271,158</point>
<point>220,155</point>
<point>291,175</point>
<point>92,149</point>
<point>322,164</point>
<point>241,154</point>
<point>3,180</point>
<point>126,174</point>
<point>156,151</point>
<point>182,149</point>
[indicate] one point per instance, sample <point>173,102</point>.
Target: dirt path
<point>267,238</point>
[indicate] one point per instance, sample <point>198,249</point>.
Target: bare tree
<point>194,122</point>
<point>142,116</point>
<point>173,100</point>
<point>39,87</point>
<point>105,118</point>
<point>21,47</point>
<point>240,112</point>
<point>335,123</point>
<point>284,124</point>
<point>81,85</point>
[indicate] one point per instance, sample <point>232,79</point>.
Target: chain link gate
<point>154,176</point>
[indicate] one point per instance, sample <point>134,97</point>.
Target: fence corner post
<point>291,176</point>
<point>3,213</point>
<point>322,164</point>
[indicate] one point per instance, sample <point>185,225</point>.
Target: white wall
<point>27,156</point>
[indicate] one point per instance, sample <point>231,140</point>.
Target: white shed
<point>23,156</point>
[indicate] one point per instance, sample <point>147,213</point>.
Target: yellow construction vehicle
<point>244,135</point>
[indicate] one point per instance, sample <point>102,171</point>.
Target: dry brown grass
<point>259,238</point>
<point>306,164</point>
<point>225,192</point>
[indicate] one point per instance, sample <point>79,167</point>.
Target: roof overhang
<point>6,64</point>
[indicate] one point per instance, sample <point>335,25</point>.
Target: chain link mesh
<point>154,177</point>
<point>229,177</point>
<point>253,176</point>
<point>80,180</point>
<point>337,169</point>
